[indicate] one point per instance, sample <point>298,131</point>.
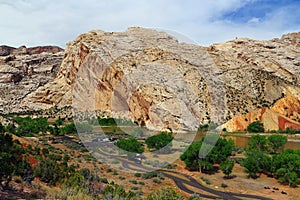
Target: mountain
<point>150,77</point>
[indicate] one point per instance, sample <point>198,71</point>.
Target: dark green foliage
<point>131,145</point>
<point>68,129</point>
<point>156,180</point>
<point>227,167</point>
<point>54,130</point>
<point>111,122</point>
<point>133,182</point>
<point>284,165</point>
<point>203,128</point>
<point>45,151</point>
<point>75,180</point>
<point>10,158</point>
<point>149,175</point>
<point>159,141</point>
<point>116,192</point>
<point>28,126</point>
<point>256,162</point>
<point>218,154</point>
<point>165,194</point>
<point>49,171</point>
<point>194,197</point>
<point>288,130</point>
<point>191,155</point>
<point>2,128</point>
<point>72,128</point>
<point>10,129</point>
<point>58,122</point>
<point>258,142</point>
<point>256,127</point>
<point>206,180</point>
<point>276,143</point>
<point>289,159</point>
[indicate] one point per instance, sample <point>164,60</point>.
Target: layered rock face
<point>23,71</point>
<point>151,78</point>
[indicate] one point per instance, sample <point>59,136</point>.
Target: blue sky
<point>56,22</point>
<point>261,10</point>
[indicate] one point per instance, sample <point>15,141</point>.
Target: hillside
<point>151,78</point>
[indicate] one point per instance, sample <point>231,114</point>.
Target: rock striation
<point>23,71</point>
<point>150,77</point>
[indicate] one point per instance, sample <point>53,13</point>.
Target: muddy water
<point>239,140</point>
<point>242,141</point>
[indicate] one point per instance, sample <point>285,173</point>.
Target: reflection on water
<point>242,140</point>
<point>239,140</point>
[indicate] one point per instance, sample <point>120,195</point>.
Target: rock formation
<point>151,78</point>
<point>23,71</point>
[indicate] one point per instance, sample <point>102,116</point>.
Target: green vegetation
<point>52,169</point>
<point>12,163</point>
<point>227,167</point>
<point>110,122</point>
<point>28,127</point>
<point>218,154</point>
<point>149,175</point>
<point>258,142</point>
<point>116,192</point>
<point>131,145</point>
<point>256,127</point>
<point>165,194</point>
<point>206,127</point>
<point>276,143</point>
<point>206,180</point>
<point>159,141</point>
<point>266,155</point>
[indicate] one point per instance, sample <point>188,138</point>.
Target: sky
<point>56,22</point>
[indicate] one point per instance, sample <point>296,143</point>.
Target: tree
<point>28,126</point>
<point>205,165</point>
<point>251,167</point>
<point>159,141</point>
<point>68,129</point>
<point>292,179</point>
<point>256,162</point>
<point>58,122</point>
<point>227,167</point>
<point>191,156</point>
<point>10,158</point>
<point>256,127</point>
<point>258,142</point>
<point>276,143</point>
<point>288,159</point>
<point>203,155</point>
<point>131,145</point>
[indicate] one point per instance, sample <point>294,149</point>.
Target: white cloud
<point>254,20</point>
<point>43,22</point>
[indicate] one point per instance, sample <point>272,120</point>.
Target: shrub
<point>256,127</point>
<point>159,141</point>
<point>156,180</point>
<point>133,181</point>
<point>149,175</point>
